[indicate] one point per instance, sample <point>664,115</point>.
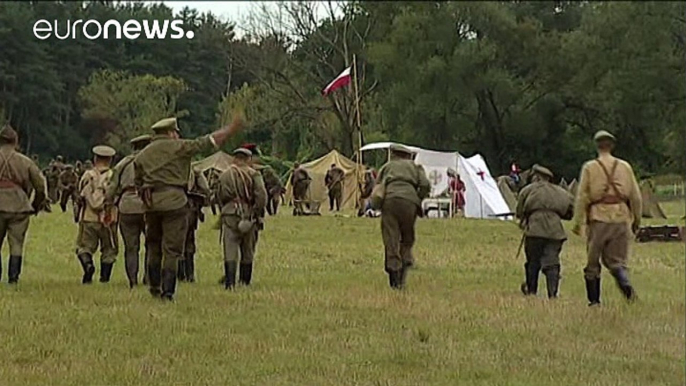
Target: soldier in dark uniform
<point>122,193</point>
<point>213,182</point>
<point>68,180</point>
<point>162,172</point>
<point>542,206</point>
<point>243,198</point>
<point>198,197</point>
<point>405,186</point>
<point>334,183</point>
<point>300,181</point>
<point>18,176</point>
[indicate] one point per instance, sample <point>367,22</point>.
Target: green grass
<point>320,313</point>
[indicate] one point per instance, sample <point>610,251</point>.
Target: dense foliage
<point>529,81</point>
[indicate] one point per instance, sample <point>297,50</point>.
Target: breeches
<point>607,243</point>
<point>237,245</point>
<point>92,234</point>
<point>165,238</point>
<point>14,227</point>
<point>542,253</point>
<point>398,217</point>
<point>131,227</point>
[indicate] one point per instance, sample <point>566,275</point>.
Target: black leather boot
<point>552,278</point>
<point>14,269</point>
<point>402,275</point>
<point>593,291</point>
<point>190,268</point>
<point>105,272</point>
<point>622,279</point>
<point>168,284</point>
<point>181,270</point>
<point>230,274</point>
<point>88,268</point>
<point>155,280</point>
<point>530,285</point>
<point>222,280</point>
<point>245,274</point>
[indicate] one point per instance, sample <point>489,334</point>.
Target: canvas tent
<point>573,186</point>
<point>219,160</point>
<point>482,196</point>
<point>317,170</point>
<point>564,184</point>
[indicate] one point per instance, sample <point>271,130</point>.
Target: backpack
<point>93,189</point>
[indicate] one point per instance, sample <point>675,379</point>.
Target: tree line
<point>524,81</point>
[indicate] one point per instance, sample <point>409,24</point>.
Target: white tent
<point>482,197</point>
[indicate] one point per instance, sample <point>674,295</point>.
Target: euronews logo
<point>111,29</point>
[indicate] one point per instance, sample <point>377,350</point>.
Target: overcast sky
<point>234,11</point>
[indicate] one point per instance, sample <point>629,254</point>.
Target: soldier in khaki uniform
<point>18,177</point>
<point>406,186</point>
<point>97,218</point>
<point>198,197</point>
<point>334,183</point>
<point>609,205</point>
<point>122,193</point>
<point>542,206</point>
<point>162,172</point>
<point>243,197</point>
<point>68,180</point>
<point>52,177</point>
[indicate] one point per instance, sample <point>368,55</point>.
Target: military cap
<point>538,169</point>
<point>69,166</point>
<point>165,125</point>
<point>252,147</point>
<point>104,151</point>
<point>400,149</point>
<point>59,158</point>
<point>141,138</point>
<point>602,134</point>
<point>242,151</point>
<point>7,133</point>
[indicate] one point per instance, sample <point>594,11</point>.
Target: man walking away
<point>122,193</point>
<point>18,176</point>
<point>609,204</point>
<point>541,207</point>
<point>243,197</point>
<point>406,186</point>
<point>97,218</point>
<point>162,171</point>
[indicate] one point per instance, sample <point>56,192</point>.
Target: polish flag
<point>341,80</point>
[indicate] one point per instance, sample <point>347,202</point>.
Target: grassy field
<point>320,313</point>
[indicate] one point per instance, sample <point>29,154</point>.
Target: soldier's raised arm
<point>192,147</point>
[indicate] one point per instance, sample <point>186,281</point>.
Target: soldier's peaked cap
<point>243,152</point>
<point>165,125</point>
<point>602,134</point>
<point>401,149</point>
<point>141,139</point>
<point>538,169</point>
<point>104,151</point>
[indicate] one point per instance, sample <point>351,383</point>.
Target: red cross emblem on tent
<point>481,173</point>
<point>435,177</point>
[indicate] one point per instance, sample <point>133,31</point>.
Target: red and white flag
<point>341,80</point>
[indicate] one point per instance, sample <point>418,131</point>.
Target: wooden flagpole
<point>359,123</point>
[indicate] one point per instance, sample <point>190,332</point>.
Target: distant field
<point>320,313</point>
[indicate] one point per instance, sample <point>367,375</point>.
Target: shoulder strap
<point>610,177</point>
<point>4,168</point>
